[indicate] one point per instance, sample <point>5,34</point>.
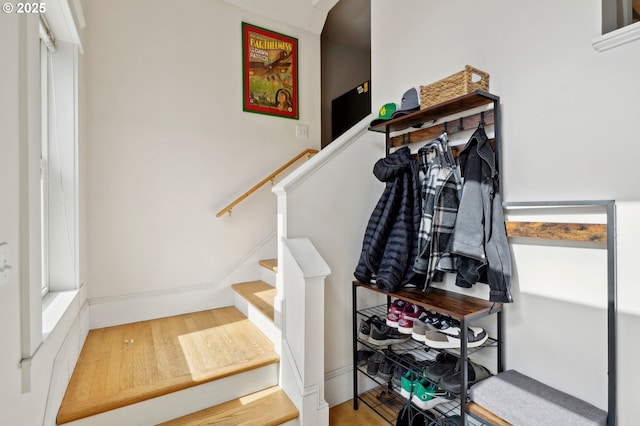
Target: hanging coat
<point>480,236</point>
<point>441,191</point>
<point>390,244</point>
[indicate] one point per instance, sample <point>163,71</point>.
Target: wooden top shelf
<point>459,104</point>
<point>456,305</point>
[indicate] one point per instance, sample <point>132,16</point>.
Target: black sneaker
<point>396,379</point>
<point>405,362</point>
<point>383,335</point>
<point>363,357</point>
<point>444,365</point>
<point>364,330</point>
<point>475,373</point>
<point>373,363</point>
<point>387,368</point>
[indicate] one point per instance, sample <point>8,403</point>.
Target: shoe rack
<point>385,399</point>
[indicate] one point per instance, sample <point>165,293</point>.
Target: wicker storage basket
<point>458,84</point>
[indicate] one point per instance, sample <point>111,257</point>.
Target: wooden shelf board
<point>459,104</point>
<point>450,303</point>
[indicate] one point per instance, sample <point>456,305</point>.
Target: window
<point>620,24</point>
<point>58,163</point>
<point>45,76</point>
<point>619,13</point>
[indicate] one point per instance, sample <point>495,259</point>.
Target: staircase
<point>203,368</point>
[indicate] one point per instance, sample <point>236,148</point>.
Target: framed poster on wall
<point>270,72</point>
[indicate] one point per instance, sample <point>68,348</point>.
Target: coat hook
<point>460,124</point>
<point>445,126</point>
<point>482,118</point>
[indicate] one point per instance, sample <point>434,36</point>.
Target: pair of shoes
<point>427,321</point>
<point>423,393</point>
<point>395,310</point>
<point>427,395</point>
<point>445,333</point>
<point>387,367</point>
<point>383,335</point>
<point>475,373</point>
<point>375,331</point>
<point>374,361</point>
<point>363,356</point>
<point>364,331</point>
<point>384,364</point>
<point>394,366</point>
<point>445,364</point>
<point>409,314</point>
<point>404,364</point>
<point>401,315</point>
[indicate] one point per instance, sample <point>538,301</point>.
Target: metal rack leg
<point>500,365</point>
<point>464,372</point>
<point>355,346</point>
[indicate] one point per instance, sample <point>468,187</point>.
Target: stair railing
<point>271,178</point>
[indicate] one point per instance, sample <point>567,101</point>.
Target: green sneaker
<point>407,383</point>
<point>426,394</point>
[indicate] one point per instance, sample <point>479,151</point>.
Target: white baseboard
<point>110,311</point>
<point>338,385</point>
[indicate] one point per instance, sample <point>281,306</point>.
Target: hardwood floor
<point>259,294</point>
<point>345,415</point>
<point>269,407</point>
<point>126,364</point>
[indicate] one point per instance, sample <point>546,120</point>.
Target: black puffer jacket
<point>390,242</point>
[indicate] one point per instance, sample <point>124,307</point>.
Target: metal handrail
<point>270,178</point>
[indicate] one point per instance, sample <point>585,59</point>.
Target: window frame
<point>618,27</point>
<point>45,78</point>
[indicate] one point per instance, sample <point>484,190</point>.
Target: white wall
<point>569,127</point>
<point>170,144</point>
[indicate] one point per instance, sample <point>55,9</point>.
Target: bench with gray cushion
<point>523,401</point>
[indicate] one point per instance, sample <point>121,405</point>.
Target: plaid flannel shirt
<point>441,191</point>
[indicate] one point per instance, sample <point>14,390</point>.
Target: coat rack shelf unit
<point>459,114</point>
<point>418,119</point>
<point>582,232</point>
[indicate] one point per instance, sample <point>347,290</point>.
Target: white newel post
<point>302,272</point>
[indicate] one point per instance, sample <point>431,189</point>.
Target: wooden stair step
<point>271,264</point>
<point>259,294</point>
<point>267,407</point>
<point>127,364</point>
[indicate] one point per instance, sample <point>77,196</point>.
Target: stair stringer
<point>186,401</point>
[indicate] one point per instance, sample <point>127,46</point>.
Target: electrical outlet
<point>302,131</point>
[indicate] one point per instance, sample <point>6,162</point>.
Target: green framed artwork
<point>269,68</point>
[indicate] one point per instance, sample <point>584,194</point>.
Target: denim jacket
<point>480,237</point>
